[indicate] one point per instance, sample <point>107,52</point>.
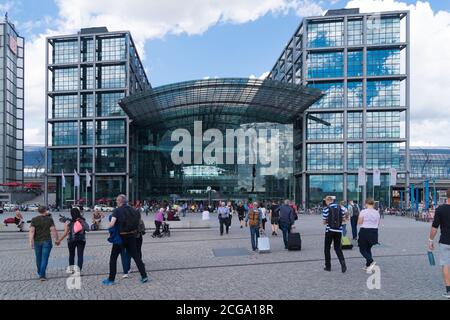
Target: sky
<point>182,40</point>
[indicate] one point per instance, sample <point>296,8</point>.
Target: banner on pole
<point>63,180</point>
<point>361,177</point>
<point>376,177</point>
<point>76,181</point>
<point>88,179</point>
<point>393,177</point>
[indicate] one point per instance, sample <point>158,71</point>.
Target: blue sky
<point>184,40</point>
<point>224,50</point>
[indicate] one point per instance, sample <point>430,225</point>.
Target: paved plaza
<point>195,264</point>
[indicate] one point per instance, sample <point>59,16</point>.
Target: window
<point>85,160</point>
<point>355,64</point>
<point>87,105</point>
<point>383,62</point>
<point>383,94</point>
<point>64,133</point>
<point>110,77</point>
<point>334,95</point>
<point>325,156</point>
<point>111,132</point>
<point>383,30</point>
<point>108,104</point>
<point>65,106</point>
<point>383,124</point>
<point>62,159</point>
<point>110,160</point>
<point>87,49</point>
<point>354,156</point>
<point>65,79</point>
<point>65,51</point>
<point>355,94</point>
<point>321,186</point>
<point>354,125</point>
<point>87,78</point>
<point>318,130</point>
<point>383,155</point>
<point>355,32</point>
<point>328,34</point>
<point>326,65</point>
<point>86,132</point>
<point>111,49</point>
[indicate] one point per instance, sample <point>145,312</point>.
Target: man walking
<point>333,216</point>
<point>353,212</point>
<point>254,219</point>
<point>442,220</point>
<point>128,220</point>
<point>286,220</point>
<point>223,213</point>
<point>41,240</point>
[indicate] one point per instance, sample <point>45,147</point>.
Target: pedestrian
<point>126,258</point>
<point>369,221</point>
<point>41,229</point>
<point>231,210</point>
<point>442,220</point>
<point>333,216</point>
<point>274,217</point>
<point>241,213</point>
<point>128,220</point>
<point>223,213</point>
<point>287,220</point>
<point>354,214</point>
<point>75,229</point>
<point>253,219</point>
<point>264,216</point>
<point>345,220</point>
<point>18,220</point>
<point>115,239</point>
<point>159,218</point>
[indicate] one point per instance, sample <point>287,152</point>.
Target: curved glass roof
<point>228,101</point>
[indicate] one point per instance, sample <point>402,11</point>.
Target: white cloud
<point>5,7</point>
<point>430,62</point>
<point>145,20</point>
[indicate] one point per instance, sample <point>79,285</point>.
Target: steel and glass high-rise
<point>87,131</point>
<point>12,50</point>
<point>361,62</point>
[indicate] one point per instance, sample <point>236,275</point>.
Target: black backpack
<point>131,219</point>
<point>334,218</point>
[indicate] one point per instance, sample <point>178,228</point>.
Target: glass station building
<point>87,74</point>
<point>337,99</point>
<point>361,62</point>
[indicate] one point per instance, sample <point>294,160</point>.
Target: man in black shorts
<point>241,213</point>
<point>274,217</point>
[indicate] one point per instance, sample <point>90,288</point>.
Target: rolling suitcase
<point>294,241</point>
<point>263,243</point>
<point>346,243</point>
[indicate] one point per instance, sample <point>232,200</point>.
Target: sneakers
<point>369,269</point>
<point>125,276</point>
<point>144,280</point>
<point>343,268</point>
<point>327,269</point>
<point>446,295</point>
<point>108,282</point>
<point>42,279</point>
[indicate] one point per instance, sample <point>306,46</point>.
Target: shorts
<point>444,254</point>
<point>241,217</point>
<point>275,220</point>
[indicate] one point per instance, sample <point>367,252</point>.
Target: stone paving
<point>185,266</point>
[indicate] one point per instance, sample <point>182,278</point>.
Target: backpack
<point>253,218</point>
<point>77,231</point>
<point>334,218</point>
<point>131,219</point>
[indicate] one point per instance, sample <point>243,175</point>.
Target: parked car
<point>33,207</point>
<point>103,208</point>
<point>9,207</point>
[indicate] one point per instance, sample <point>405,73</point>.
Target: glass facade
<point>12,48</point>
<point>88,75</point>
<point>359,62</point>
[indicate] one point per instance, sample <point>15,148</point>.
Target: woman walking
<point>369,220</point>
<point>75,229</point>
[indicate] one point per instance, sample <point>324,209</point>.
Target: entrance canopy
<point>223,101</point>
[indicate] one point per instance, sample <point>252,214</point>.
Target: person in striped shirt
<point>332,216</point>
